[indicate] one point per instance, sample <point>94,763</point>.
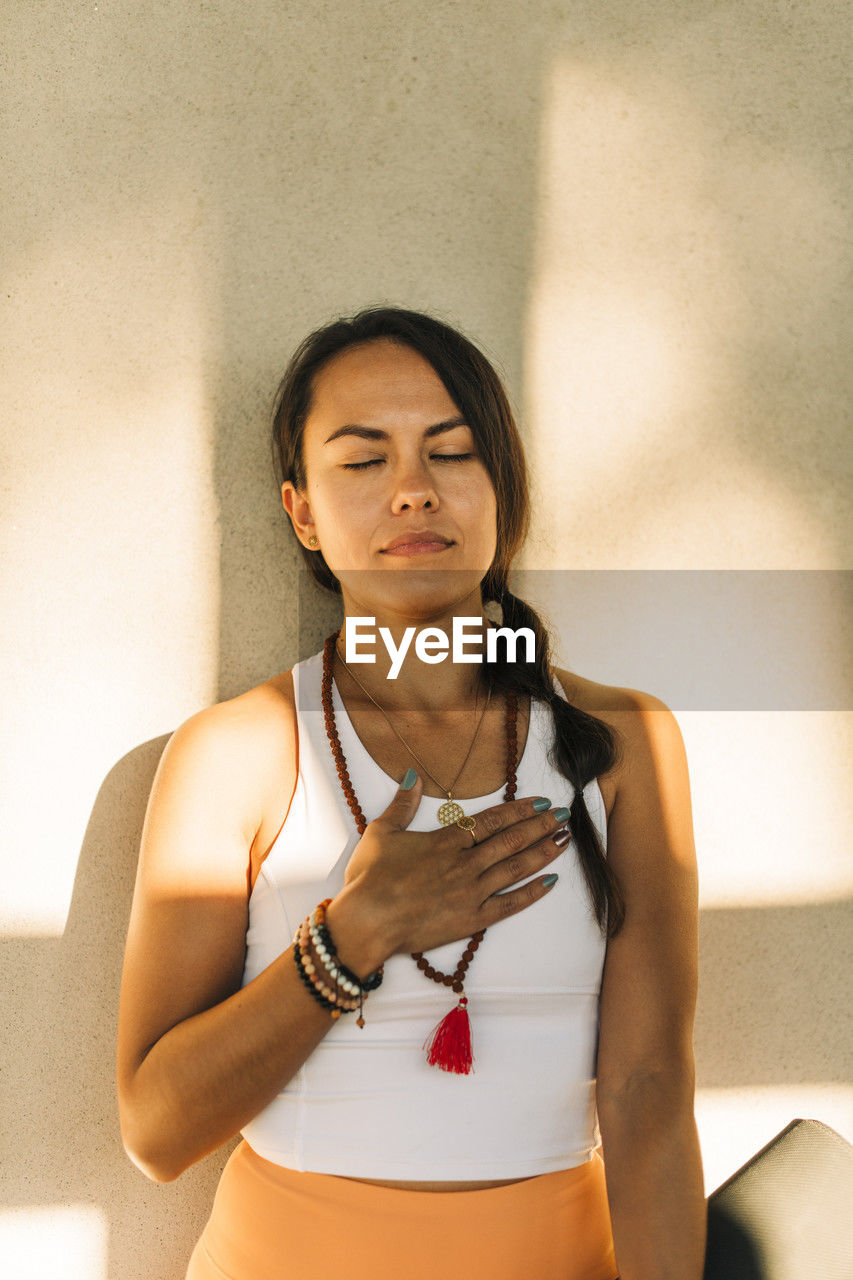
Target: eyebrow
<point>374,433</point>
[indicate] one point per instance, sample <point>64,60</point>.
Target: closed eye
<point>444,457</point>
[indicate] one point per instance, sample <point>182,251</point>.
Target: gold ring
<point>467,824</point>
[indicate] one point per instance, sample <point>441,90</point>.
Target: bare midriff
<point>437,1186</point>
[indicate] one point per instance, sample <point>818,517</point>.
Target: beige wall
<point>639,210</point>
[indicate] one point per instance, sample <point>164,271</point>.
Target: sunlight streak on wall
<point>657,310</point>
<point>67,1240</point>
<point>110,539</point>
<point>772,808</point>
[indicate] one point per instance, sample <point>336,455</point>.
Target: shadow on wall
<point>67,1124</point>
<point>66,1147</point>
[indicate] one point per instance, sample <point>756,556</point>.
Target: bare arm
<point>645,1070</point>
<point>197,1056</point>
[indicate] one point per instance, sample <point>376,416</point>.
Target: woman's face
<point>387,453</point>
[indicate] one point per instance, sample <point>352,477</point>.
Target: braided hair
<point>584,747</point>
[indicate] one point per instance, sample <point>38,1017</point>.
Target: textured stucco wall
<point>640,211</point>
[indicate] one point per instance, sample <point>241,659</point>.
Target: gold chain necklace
<point>451,811</point>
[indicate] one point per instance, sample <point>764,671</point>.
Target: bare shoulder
<point>645,726</point>
<point>236,757</point>
<point>259,720</point>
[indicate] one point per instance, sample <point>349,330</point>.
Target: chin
<point>416,593</point>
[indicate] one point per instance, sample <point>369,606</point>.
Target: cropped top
<point>366,1103</point>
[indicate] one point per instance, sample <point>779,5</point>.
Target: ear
<point>299,510</point>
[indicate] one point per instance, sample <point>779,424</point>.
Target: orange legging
<point>274,1223</point>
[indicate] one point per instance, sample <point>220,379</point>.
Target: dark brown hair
<point>584,747</point>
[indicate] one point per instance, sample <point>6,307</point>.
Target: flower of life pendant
<point>449,812</point>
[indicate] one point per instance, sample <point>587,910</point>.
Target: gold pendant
<point>450,812</point>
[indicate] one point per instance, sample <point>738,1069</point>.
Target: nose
<point>413,488</point>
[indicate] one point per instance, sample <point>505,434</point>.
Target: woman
<point>310,898</point>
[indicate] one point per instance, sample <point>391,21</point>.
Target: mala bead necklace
<point>449,1043</point>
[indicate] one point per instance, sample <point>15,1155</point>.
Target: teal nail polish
<point>541,804</point>
<point>409,780</point>
<point>549,880</point>
<point>562,815</point>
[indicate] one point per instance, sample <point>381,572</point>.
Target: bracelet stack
<point>349,991</point>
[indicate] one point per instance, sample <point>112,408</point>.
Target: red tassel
<point>449,1043</point>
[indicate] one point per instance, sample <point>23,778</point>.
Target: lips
<point>416,536</point>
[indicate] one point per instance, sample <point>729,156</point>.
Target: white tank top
<point>366,1103</point>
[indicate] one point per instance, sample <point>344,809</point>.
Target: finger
<point>513,840</point>
<point>518,866</point>
<point>502,905</point>
<point>404,803</point>
<point>496,818</point>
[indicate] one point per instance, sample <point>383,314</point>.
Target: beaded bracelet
<point>314,929</point>
<point>329,952</point>
<point>307,972</point>
<point>353,987</point>
<point>318,975</point>
<point>309,985</point>
<point>372,981</point>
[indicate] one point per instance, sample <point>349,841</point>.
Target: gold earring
<point>313,540</point>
